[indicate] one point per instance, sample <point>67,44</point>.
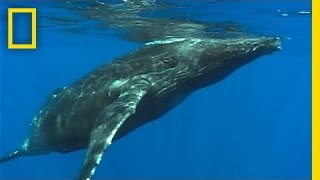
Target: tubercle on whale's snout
<point>275,43</point>
<point>264,45</point>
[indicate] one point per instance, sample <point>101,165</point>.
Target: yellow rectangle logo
<point>33,44</point>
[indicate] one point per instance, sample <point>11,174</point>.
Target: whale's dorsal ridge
<point>108,123</point>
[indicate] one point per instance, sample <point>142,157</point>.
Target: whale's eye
<point>169,61</point>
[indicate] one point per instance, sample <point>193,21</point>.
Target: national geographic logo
<point>33,44</point>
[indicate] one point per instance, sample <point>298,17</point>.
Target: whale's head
<point>215,59</point>
<point>199,62</point>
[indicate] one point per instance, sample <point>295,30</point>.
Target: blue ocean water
<point>256,123</point>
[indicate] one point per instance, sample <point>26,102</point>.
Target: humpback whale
<point>120,96</point>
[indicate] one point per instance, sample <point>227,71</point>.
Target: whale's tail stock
<point>15,154</point>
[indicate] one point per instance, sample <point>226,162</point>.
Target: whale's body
<point>120,96</point>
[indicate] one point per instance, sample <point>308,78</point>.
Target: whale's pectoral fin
<point>108,123</point>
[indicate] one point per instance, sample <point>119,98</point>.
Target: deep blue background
<point>254,124</point>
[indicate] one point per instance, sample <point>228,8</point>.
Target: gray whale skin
<point>120,96</point>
